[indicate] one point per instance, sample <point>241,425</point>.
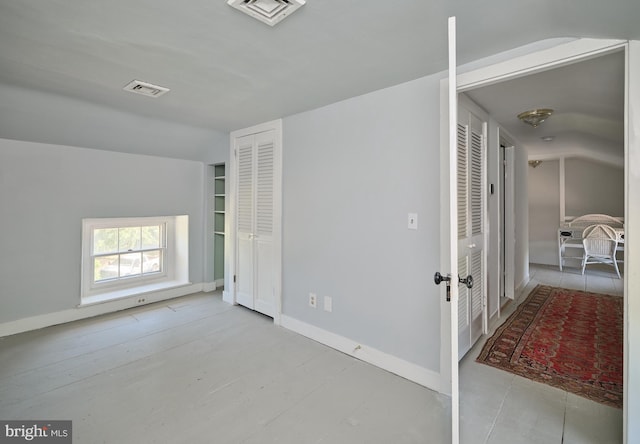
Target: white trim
<point>208,287</point>
<point>509,223</point>
<point>228,297</point>
<point>561,178</point>
<point>525,65</point>
<point>631,395</point>
<point>393,364</point>
<point>525,281</point>
<point>175,262</point>
<point>87,311</point>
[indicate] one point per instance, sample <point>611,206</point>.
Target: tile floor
<point>498,407</point>
<point>196,370</point>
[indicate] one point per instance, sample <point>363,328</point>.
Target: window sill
<point>140,290</point>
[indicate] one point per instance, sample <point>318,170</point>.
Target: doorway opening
<point>522,272</point>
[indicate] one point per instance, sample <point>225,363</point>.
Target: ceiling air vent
<point>267,11</point>
<point>146,89</point>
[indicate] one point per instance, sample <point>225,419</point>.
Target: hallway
<point>499,407</point>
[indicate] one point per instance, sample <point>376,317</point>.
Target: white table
<point>571,238</point>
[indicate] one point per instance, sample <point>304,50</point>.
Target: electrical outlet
<point>328,304</point>
<point>313,300</point>
<point>141,300</point>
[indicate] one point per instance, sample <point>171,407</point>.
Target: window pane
<point>105,240</point>
<point>105,267</point>
<point>130,264</point>
<point>151,237</point>
<point>129,238</point>
<point>152,261</point>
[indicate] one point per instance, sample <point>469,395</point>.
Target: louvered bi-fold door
<point>471,228</point>
<point>255,222</point>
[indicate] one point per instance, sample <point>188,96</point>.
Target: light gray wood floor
<point>196,370</point>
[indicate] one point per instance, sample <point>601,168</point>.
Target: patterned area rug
<point>569,339</point>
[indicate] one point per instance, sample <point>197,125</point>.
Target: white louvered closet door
<point>263,239</point>
<point>471,227</point>
<point>255,222</point>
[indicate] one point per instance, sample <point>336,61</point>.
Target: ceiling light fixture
<point>535,117</point>
<point>270,12</point>
<point>548,138</point>
<point>534,163</point>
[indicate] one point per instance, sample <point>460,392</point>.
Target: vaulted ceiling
<point>227,70</point>
<point>588,102</point>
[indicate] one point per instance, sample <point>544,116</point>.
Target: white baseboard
<point>393,364</point>
<point>208,287</point>
<point>87,311</point>
<point>228,297</point>
<point>523,283</point>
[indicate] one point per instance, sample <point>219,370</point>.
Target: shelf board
<point>219,195</point>
<point>221,233</point>
<point>218,177</point>
<point>219,211</point>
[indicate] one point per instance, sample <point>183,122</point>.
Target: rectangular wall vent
<point>146,89</point>
<point>267,11</point>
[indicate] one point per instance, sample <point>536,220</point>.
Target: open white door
<point>449,237</point>
<point>462,232</point>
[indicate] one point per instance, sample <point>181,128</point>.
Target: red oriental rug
<point>569,339</point>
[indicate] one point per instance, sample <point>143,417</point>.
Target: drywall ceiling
<point>587,98</point>
<point>227,70</point>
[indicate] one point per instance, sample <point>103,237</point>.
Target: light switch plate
<point>328,304</point>
<point>413,221</point>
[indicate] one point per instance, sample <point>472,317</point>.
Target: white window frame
<point>175,264</point>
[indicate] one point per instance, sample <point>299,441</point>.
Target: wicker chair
<point>600,246</point>
<point>591,219</point>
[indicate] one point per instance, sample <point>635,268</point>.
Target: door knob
<point>438,278</point>
<point>468,281</point>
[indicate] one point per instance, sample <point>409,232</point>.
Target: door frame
<point>229,294</point>
<point>507,278</point>
<point>561,55</point>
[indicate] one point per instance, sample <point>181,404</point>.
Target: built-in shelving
<point>218,216</point>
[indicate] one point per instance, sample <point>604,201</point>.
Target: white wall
<point>589,187</point>
<point>352,173</point>
<point>544,212</point>
<point>45,192</point>
<point>593,187</point>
